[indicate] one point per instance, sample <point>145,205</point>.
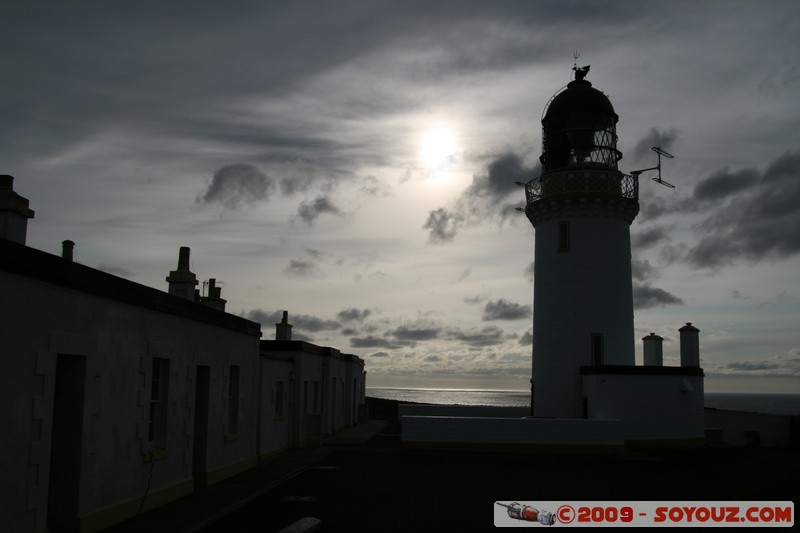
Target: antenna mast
<point>660,152</point>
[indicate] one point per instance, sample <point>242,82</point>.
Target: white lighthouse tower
<point>581,208</point>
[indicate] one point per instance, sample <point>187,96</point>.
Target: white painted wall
<point>577,293</point>
<point>650,406</point>
<point>736,426</point>
<point>118,340</point>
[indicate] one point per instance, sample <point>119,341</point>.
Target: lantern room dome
<point>579,95</point>
<point>579,129</point>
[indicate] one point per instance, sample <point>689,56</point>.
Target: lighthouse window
<point>597,349</point>
<point>563,237</point>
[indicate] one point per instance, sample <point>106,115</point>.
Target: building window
<point>563,237</point>
<point>597,349</point>
<point>306,407</point>
<point>278,398</point>
<point>315,405</point>
<point>233,399</point>
<point>157,418</point>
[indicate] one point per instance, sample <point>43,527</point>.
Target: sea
<point>778,404</point>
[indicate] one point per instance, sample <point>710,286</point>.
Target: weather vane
<point>660,152</point>
<point>581,72</point>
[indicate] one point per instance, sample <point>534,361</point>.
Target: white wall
<point>651,406</point>
<point>39,321</point>
<point>737,427</point>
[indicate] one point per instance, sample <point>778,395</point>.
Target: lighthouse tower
<point>581,208</point>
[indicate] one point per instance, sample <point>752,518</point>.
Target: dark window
<point>563,237</point>
<point>597,349</point>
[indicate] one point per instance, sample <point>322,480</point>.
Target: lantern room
<point>579,129</point>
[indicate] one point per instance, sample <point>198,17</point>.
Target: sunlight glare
<point>438,147</point>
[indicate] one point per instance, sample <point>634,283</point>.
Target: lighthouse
<point>581,207</point>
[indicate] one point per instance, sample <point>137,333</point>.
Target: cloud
<point>647,297</point>
<point>411,333</point>
<point>353,314</point>
<point>486,198</point>
<point>488,336</point>
<point>526,339</point>
<point>117,271</point>
<point>308,212</point>
<point>746,216</point>
<point>379,354</point>
<point>723,184</point>
<point>739,295</point>
<point>371,341</point>
<point>442,225</point>
<point>642,270</point>
<point>504,310</point>
<point>233,186</point>
<point>432,359</point>
<point>301,268</point>
<point>655,137</point>
<point>301,322</point>
<point>529,271</point>
<point>647,238</point>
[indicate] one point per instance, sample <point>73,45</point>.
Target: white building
<point>312,391</point>
<point>119,397</point>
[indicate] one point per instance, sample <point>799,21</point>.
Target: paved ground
<point>365,481</point>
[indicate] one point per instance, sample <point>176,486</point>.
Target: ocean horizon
<point>767,403</point>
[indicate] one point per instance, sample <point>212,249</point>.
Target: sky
<point>353,163</point>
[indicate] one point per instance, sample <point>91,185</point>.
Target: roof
<point>579,95</point>
<point>24,261</point>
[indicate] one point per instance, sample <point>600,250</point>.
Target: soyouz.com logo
<point>646,514</point>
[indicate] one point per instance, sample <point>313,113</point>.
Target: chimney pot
<point>67,250</point>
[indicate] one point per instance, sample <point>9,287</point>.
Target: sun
<point>438,147</point>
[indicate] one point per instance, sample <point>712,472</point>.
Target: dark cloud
<point>526,339</point>
<point>353,314</point>
<point>233,186</point>
<point>464,274</point>
<point>301,322</point>
<point>642,270</point>
<point>647,238</point>
<point>308,212</point>
<point>301,268</point>
<point>749,366</point>
<point>655,137</point>
<point>488,336</point>
<point>474,300</point>
<point>757,218</point>
<point>504,310</point>
<point>441,225</point>
<point>647,297</point>
<point>723,184</point>
<point>432,359</point>
<point>371,341</point>
<point>413,333</point>
<point>488,197</point>
<point>739,295</point>
<point>529,271</point>
<point>379,354</point>
<point>117,271</point>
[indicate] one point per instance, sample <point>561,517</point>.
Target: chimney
<point>182,281</point>
<point>67,250</point>
<point>283,330</point>
<point>14,212</point>
<point>653,350</point>
<point>690,345</point>
<point>214,298</point>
